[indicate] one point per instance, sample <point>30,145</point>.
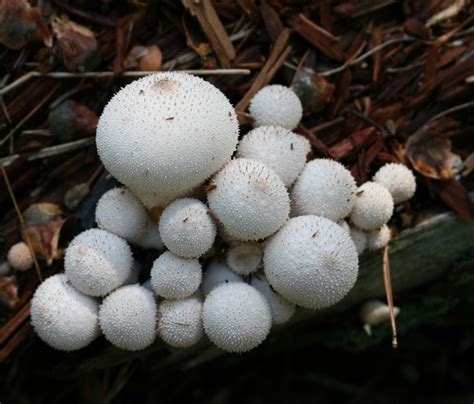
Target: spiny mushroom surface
<point>398,179</point>
<point>19,257</point>
<point>377,239</point>
<point>278,148</point>
<point>121,213</point>
<point>244,258</point>
<point>311,262</point>
<point>63,317</point>
<point>373,206</point>
<point>249,199</point>
<point>216,273</point>
<point>180,321</point>
<point>97,262</point>
<point>236,317</point>
<point>359,238</point>
<point>173,277</point>
<point>276,105</point>
<point>128,317</point>
<point>165,134</point>
<point>186,228</point>
<point>325,188</point>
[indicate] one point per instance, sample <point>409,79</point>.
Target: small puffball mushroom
<point>186,228</point>
<point>325,188</point>
<point>120,212</point>
<point>165,134</point>
<point>216,273</point>
<point>97,262</point>
<point>359,238</point>
<point>276,105</point>
<point>19,257</point>
<point>150,239</point>
<point>373,206</point>
<point>173,277</point>
<point>180,321</point>
<point>375,312</point>
<point>244,258</point>
<point>128,317</point>
<point>398,179</point>
<point>282,309</point>
<point>278,148</point>
<point>311,262</point>
<point>377,239</point>
<point>63,317</point>
<point>249,199</point>
<point>236,317</point>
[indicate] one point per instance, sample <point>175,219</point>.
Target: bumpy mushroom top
<point>244,258</point>
<point>63,317</point>
<point>311,262</point>
<point>324,188</point>
<point>97,262</point>
<point>249,199</point>
<point>216,273</point>
<point>236,317</point>
<point>165,134</point>
<point>276,105</point>
<point>373,206</point>
<point>186,228</point>
<point>377,239</point>
<point>128,317</point>
<point>120,212</point>
<point>398,179</point>
<point>19,257</point>
<point>278,148</point>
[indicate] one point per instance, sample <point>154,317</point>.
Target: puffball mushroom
<point>216,273</point>
<point>128,317</point>
<point>311,262</point>
<point>236,317</point>
<point>282,309</point>
<point>165,134</point>
<point>244,258</point>
<point>276,105</point>
<point>398,179</point>
<point>278,148</point>
<point>373,206</point>
<point>186,228</point>
<point>120,212</point>
<point>180,321</point>
<point>377,239</point>
<point>249,199</point>
<point>19,257</point>
<point>359,238</point>
<point>63,317</point>
<point>173,277</point>
<point>97,262</point>
<point>325,188</point>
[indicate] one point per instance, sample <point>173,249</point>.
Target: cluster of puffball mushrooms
<point>273,230</point>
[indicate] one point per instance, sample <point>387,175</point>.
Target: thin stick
<point>22,221</point>
<point>450,110</point>
<point>387,279</point>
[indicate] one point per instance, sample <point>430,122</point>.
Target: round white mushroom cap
<point>278,148</point>
<point>173,277</point>
<point>311,262</point>
<point>63,317</point>
<point>282,309</point>
<point>373,206</point>
<point>19,257</point>
<point>359,238</point>
<point>325,188</point>
<point>180,321</point>
<point>236,317</point>
<point>165,134</point>
<point>276,105</point>
<point>377,239</point>
<point>244,258</point>
<point>398,179</point>
<point>249,199</point>
<point>128,317</point>
<point>216,273</point>
<point>186,228</point>
<point>97,262</point>
<point>120,212</point>
<point>151,237</point>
